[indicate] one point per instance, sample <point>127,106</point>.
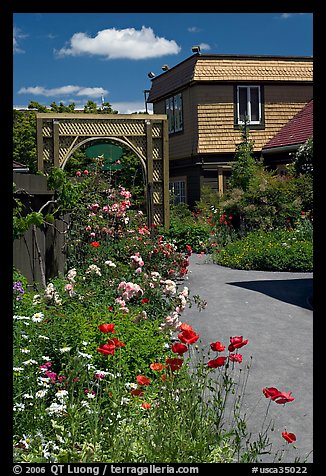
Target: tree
<point>244,168</point>
<point>24,139</point>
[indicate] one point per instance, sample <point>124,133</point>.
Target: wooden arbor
<point>59,135</point>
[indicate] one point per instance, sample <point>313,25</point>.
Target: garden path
<point>273,310</point>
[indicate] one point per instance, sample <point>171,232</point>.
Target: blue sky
<point>74,57</point>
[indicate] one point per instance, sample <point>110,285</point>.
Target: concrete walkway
<point>273,310</point>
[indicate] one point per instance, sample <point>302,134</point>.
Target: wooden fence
<point>33,192</point>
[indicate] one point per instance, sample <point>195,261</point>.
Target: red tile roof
<point>296,131</point>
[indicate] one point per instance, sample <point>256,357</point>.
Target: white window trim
<point>249,104</point>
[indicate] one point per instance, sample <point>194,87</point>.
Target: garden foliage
<point>106,370</point>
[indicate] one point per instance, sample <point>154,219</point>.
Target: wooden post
<point>39,138</point>
<point>55,143</point>
<point>166,174</point>
<point>149,155</point>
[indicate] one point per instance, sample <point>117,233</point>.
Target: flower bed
<point>106,370</point>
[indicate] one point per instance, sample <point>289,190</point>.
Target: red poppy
<point>95,244</point>
<point>188,337</point>
<point>289,437</point>
<point>106,349</point>
<point>157,366</point>
<point>145,301</point>
<point>219,362</point>
<point>186,327</point>
<point>217,346</point>
<point>107,328</point>
<point>277,396</point>
<point>178,348</point>
<point>142,380</point>
<point>283,397</point>
<point>117,342</point>
<point>236,343</point>
<point>174,364</point>
<point>235,358</point>
<point>146,405</point>
<point>137,392</point>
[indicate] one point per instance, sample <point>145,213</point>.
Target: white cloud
<point>116,44</point>
<point>285,16</point>
<point>64,90</point>
<point>194,29</point>
<point>17,36</point>
<point>204,47</point>
<point>130,107</point>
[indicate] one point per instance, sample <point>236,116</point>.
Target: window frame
<point>260,124</point>
<point>179,180</point>
<point>174,112</point>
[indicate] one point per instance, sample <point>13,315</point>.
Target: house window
<point>173,109</point>
<point>249,104</point>
<point>178,189</point>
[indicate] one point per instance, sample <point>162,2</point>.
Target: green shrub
<point>278,250</point>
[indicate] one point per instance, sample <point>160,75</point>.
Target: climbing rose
<point>289,437</point>
<point>236,343</point>
<point>107,328</point>
<point>216,362</point>
<point>217,346</point>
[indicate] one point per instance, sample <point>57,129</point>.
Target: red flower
<point>217,346</point>
<point>142,380</point>
<point>178,348</point>
<point>174,364</point>
<point>289,437</point>
<point>235,358</point>
<point>283,397</point>
<point>157,366</point>
<point>106,349</point>
<point>219,362</point>
<point>107,328</point>
<point>146,405</point>
<point>137,392</point>
<point>95,244</point>
<point>236,343</point>
<point>188,337</point>
<point>145,301</point>
<point>78,173</point>
<point>86,172</point>
<point>117,342</point>
<point>277,396</point>
<point>186,327</point>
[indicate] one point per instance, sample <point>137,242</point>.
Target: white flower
<point>56,409</point>
<point>19,318</point>
<point>29,362</point>
<point>36,299</point>
<point>131,385</point>
<point>93,269</point>
<point>43,337</point>
<point>38,317</point>
<point>18,369</point>
<point>64,349</point>
<point>28,396</point>
<point>40,393</point>
<point>25,351</point>
<point>110,263</point>
<point>84,343</point>
<point>61,394</point>
<point>87,356</point>
<point>19,407</point>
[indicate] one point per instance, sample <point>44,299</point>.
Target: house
<point>279,149</point>
<point>206,99</point>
